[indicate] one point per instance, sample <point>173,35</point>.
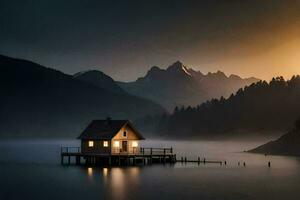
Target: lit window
<point>91,143</point>
<point>117,144</point>
<point>124,134</point>
<point>135,144</point>
<point>105,143</point>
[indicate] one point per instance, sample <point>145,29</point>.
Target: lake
<point>32,170</point>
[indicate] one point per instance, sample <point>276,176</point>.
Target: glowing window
<point>124,134</point>
<point>105,143</point>
<point>91,143</point>
<point>135,144</point>
<point>117,144</point>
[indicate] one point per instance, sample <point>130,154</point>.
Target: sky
<point>124,39</point>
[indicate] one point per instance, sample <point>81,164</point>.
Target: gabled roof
<point>106,129</point>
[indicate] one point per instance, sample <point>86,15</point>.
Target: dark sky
<point>125,38</point>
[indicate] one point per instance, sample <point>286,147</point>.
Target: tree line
<point>273,105</point>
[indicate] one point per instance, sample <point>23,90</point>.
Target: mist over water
<point>32,170</point>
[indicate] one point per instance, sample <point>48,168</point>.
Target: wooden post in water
<point>269,164</point>
<point>151,155</point>
<point>109,161</point>
<point>185,160</point>
<point>77,160</point>
<point>198,160</point>
<point>204,160</point>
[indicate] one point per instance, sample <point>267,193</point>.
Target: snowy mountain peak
<point>178,67</point>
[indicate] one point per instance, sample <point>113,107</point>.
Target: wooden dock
<point>142,156</point>
<point>73,155</point>
<point>204,161</point>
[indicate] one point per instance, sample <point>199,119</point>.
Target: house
<point>110,137</point>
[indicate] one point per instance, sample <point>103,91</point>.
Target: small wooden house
<point>110,137</point>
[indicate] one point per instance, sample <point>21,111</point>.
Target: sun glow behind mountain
<point>264,54</point>
<point>248,38</point>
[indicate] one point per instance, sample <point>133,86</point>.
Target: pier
<point>144,156</point>
<point>115,143</point>
<point>141,156</point>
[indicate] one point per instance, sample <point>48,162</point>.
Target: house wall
<point>131,136</point>
<point>97,148</point>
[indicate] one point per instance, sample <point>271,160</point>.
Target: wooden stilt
<point>109,161</point>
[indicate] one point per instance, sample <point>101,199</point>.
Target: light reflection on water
<point>90,172</point>
<point>30,165</point>
<point>115,179</point>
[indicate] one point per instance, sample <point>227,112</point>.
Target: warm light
<point>90,171</point>
<point>105,171</point>
<point>105,143</point>
<point>135,144</point>
<point>91,143</point>
<point>117,144</point>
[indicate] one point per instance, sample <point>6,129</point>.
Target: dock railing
<point>130,151</point>
<point>155,151</point>
<point>70,150</point>
<point>143,151</point>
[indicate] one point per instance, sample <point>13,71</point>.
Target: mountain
<point>99,79</point>
<point>42,102</point>
<point>260,107</point>
<point>179,85</point>
<point>288,144</point>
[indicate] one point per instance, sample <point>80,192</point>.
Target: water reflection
<point>105,172</point>
<point>117,181</point>
<point>90,172</point>
<point>133,172</point>
<point>26,163</point>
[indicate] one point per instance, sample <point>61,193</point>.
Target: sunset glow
<point>150,99</point>
<point>251,38</point>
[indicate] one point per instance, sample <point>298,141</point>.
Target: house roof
<point>106,129</point>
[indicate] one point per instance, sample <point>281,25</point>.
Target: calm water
<point>37,174</point>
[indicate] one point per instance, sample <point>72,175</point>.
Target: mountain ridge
<point>287,144</point>
<point>99,79</point>
<point>42,102</point>
<point>178,85</point>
